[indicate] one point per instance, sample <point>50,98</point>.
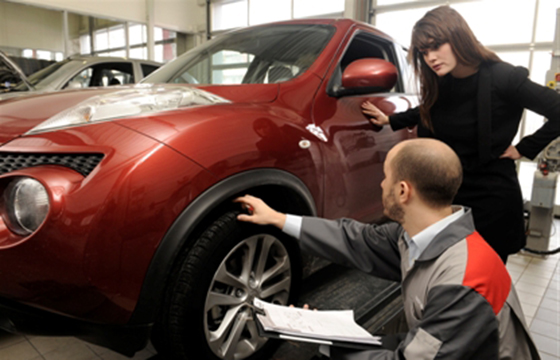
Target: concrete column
<point>356,9</point>
<point>150,13</point>
<point>127,39</point>
<point>66,35</point>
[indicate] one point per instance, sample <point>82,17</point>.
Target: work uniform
<point>478,117</point>
<point>459,300</point>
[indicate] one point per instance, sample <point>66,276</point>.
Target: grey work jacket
<point>459,300</point>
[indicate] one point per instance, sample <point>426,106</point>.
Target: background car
<point>78,72</point>
<point>118,221</point>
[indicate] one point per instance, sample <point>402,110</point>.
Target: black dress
<point>490,185</point>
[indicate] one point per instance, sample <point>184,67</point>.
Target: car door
<point>354,150</point>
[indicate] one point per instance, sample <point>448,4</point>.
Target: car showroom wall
<point>56,29</point>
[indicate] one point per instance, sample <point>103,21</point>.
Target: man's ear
<point>405,192</point>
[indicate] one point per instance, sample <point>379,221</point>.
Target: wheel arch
<point>289,194</point>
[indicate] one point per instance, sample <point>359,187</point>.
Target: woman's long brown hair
<point>439,26</point>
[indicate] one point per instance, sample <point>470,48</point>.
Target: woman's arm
<point>543,101</point>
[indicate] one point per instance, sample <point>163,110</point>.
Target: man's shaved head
<point>430,166</point>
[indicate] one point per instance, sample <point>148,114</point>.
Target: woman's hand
<point>377,117</point>
<point>511,153</point>
<point>259,212</point>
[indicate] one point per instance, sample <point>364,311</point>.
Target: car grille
<point>82,163</point>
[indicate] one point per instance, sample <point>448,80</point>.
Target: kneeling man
<point>459,300</point>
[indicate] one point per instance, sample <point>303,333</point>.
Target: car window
<point>148,69</point>
<point>365,45</point>
<point>267,54</point>
<point>107,74</point>
<point>81,80</point>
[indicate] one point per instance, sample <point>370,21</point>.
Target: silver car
<point>85,71</point>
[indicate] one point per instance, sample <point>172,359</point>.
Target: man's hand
<point>259,212</point>
<point>511,153</point>
<point>377,117</point>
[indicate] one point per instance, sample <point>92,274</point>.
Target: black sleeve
<point>543,101</point>
<point>372,249</point>
<point>411,117</point>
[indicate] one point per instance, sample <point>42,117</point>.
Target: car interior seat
<point>279,73</point>
<point>114,81</point>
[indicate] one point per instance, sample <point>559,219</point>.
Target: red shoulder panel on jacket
<point>486,273</point>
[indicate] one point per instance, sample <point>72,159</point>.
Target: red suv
<point>117,221</point>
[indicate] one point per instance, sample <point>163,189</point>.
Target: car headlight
<point>26,204</point>
<point>143,99</point>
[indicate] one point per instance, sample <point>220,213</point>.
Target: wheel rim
<point>258,267</point>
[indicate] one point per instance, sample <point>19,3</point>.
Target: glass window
<point>117,77</point>
<point>27,53</point>
<point>118,53</point>
<point>110,74</point>
<point>43,55</point>
<point>546,20</point>
<point>263,55</point>
<point>515,23</point>
<point>265,11</point>
<point>116,37</point>
<point>541,63</point>
<point>101,40</point>
<point>517,58</point>
<point>58,56</point>
<point>85,44</point>
<point>137,34</point>
<point>168,34</point>
<point>306,8</point>
<point>229,15</point>
<point>228,76</point>
<point>165,52</point>
<point>158,33</point>
<point>148,69</point>
<point>399,24</point>
<point>366,46</point>
<point>81,80</point>
<point>138,53</point>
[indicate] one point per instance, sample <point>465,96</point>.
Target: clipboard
<point>262,309</point>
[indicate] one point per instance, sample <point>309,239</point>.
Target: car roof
<point>104,59</point>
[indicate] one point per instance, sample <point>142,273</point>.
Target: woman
<point>473,101</point>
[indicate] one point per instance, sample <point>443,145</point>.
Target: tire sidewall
<point>195,276</point>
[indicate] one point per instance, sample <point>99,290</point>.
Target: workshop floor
<point>536,279</point>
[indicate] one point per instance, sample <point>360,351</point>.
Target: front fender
<point>179,234</point>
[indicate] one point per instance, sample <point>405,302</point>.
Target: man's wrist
<point>279,220</point>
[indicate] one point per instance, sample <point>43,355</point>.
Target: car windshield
<point>261,55</point>
<point>35,78</point>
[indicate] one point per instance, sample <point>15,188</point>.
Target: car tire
<point>207,310</point>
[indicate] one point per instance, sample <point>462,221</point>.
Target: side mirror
<point>74,85</point>
<point>367,76</point>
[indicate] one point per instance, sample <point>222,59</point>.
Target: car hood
<point>6,62</point>
<point>11,95</point>
<point>19,115</point>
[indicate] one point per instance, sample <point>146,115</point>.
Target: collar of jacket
<point>449,236</point>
